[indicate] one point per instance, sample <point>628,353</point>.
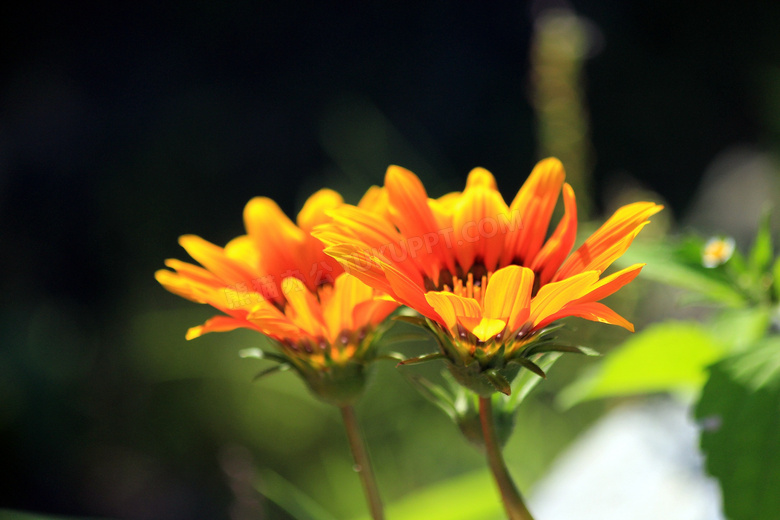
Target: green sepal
<point>476,378</point>
<point>390,356</point>
<point>498,381</point>
<point>262,354</point>
<point>573,349</point>
<point>283,367</point>
<point>417,321</point>
<point>338,384</point>
<point>422,359</point>
<point>530,365</point>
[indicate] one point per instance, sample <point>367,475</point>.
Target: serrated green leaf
<point>740,408</point>
<point>667,356</point>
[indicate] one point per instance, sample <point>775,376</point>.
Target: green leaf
<point>527,380</point>
<point>680,266</point>
<point>417,321</point>
<point>739,329</point>
<point>287,496</point>
<point>761,253</point>
<point>465,497</point>
<point>740,409</point>
<point>666,356</point>
<point>551,347</point>
<point>776,279</point>
<point>436,394</point>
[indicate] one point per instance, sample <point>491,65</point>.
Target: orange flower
<point>485,271</point>
<point>277,280</point>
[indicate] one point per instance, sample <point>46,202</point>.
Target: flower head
<point>484,273</point>
<point>277,280</point>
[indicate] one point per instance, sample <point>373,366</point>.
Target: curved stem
<point>513,501</point>
<point>362,462</point>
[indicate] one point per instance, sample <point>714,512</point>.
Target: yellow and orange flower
<point>277,280</point>
<point>485,271</point>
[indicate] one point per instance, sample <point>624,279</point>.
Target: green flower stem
<point>362,462</point>
<point>513,501</point>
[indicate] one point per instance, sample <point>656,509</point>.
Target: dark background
<point>125,126</point>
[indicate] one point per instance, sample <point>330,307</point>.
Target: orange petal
<point>408,291</point>
<point>558,246</point>
<point>554,296</point>
<point>276,238</point>
<point>376,201</point>
<point>480,177</point>
<point>194,273</point>
<point>610,284</point>
<point>372,312</point>
<point>315,208</point>
<point>217,324</point>
<point>339,302</point>
<point>535,203</point>
<point>303,309</point>
<point>271,321</point>
<point>213,258</point>
<point>610,241</point>
<point>476,223</point>
<point>508,295</point>
<point>593,311</point>
<point>412,215</point>
<point>242,251</point>
<point>450,307</point>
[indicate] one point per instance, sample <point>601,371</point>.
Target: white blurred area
<point>639,462</point>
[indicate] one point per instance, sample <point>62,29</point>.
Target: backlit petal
<point>216,324</point>
<point>213,258</point>
<point>610,241</point>
<point>412,215</point>
<point>552,297</point>
<point>476,222</point>
<point>508,295</point>
<point>277,239</point>
<point>303,309</point>
<point>315,208</point>
<point>610,284</point>
<point>593,311</point>
<point>558,246</point>
<point>535,203</point>
<point>451,307</point>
